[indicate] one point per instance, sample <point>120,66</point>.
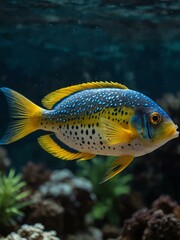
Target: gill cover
<point>142,125</point>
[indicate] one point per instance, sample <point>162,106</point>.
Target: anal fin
<point>48,144</point>
<point>117,166</point>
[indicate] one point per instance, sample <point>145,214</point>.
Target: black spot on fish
<point>93,131</point>
<point>116,168</point>
<point>122,112</point>
<point>72,126</point>
<point>77,127</point>
<point>89,125</point>
<point>97,124</point>
<point>87,132</point>
<point>82,131</point>
<point>122,147</point>
<point>126,113</point>
<point>75,133</point>
<point>101,142</point>
<point>70,133</point>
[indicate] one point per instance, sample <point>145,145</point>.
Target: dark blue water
<point>46,45</point>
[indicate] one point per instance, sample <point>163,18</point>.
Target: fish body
<point>98,118</point>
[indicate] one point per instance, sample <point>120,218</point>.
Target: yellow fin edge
<point>49,145</point>
<point>24,115</point>
<point>117,166</point>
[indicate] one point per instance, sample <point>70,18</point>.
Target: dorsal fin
<point>52,98</point>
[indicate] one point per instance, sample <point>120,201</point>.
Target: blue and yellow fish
<point>96,118</point>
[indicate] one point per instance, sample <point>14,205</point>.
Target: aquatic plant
<point>107,193</point>
<point>12,197</point>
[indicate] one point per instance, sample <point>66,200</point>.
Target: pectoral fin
<point>114,133</point>
<point>117,166</point>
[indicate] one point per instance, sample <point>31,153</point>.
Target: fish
<point>89,119</point>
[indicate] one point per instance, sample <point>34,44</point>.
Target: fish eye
<point>155,118</point>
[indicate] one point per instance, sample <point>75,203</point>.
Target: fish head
<point>154,126</point>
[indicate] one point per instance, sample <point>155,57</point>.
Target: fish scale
<point>97,118</point>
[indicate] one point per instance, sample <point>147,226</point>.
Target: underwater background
<point>50,44</point>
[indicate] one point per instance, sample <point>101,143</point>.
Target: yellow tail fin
<point>24,115</point>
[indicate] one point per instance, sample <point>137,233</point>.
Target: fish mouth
<point>172,131</point>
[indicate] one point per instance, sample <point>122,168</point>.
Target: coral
<point>45,211</point>
<point>12,197</point>
<point>91,233</point>
<point>165,203</point>
<point>162,226</point>
<point>35,174</point>
<point>35,232</point>
<point>74,194</point>
<point>107,193</point>
<point>133,228</point>
<point>110,231</point>
<point>160,222</point>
